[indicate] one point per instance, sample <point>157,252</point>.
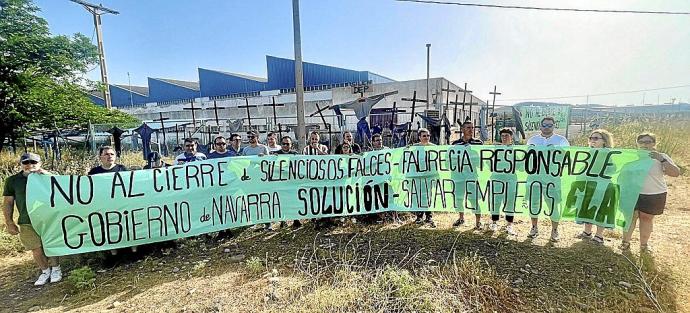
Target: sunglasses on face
<point>645,142</point>
<point>220,143</point>
<point>285,143</point>
<point>250,137</point>
<point>595,138</point>
<point>547,125</point>
<point>424,135</point>
<point>29,162</point>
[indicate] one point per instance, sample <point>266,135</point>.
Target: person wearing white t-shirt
<point>271,143</point>
<point>652,199</point>
<point>190,154</point>
<point>546,138</point>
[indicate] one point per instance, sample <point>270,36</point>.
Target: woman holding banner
<point>652,199</point>
<point>599,138</point>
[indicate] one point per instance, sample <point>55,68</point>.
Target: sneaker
<point>510,231</point>
<point>493,227</point>
<point>533,232</point>
<point>584,235</point>
<point>267,227</point>
<point>645,249</point>
<point>625,245</point>
<point>43,278</point>
<point>431,223</point>
<point>55,275</point>
<point>598,240</point>
<point>459,223</point>
<point>555,236</point>
<point>296,224</point>
<point>478,226</point>
<point>283,224</point>
<point>419,221</point>
<point>134,250</point>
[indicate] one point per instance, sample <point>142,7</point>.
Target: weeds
<point>82,278</point>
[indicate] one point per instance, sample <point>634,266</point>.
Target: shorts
<point>28,237</point>
<point>651,204</point>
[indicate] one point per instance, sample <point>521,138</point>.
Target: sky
<point>526,54</point>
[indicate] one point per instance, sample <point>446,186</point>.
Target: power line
<point>598,94</point>
<point>496,6</point>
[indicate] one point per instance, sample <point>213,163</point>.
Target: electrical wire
<point>497,6</point>
<point>597,94</point>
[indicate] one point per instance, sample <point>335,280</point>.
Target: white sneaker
<point>510,231</point>
<point>42,279</point>
<point>493,227</point>
<point>555,236</point>
<point>533,233</point>
<point>55,275</point>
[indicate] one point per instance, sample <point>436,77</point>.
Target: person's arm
<point>668,166</point>
<point>7,212</point>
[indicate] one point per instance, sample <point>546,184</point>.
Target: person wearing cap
<point>155,161</point>
<point>107,156</point>
<point>254,148</point>
<point>14,193</point>
<point>190,154</point>
<point>220,149</point>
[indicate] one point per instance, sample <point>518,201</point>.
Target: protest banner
<point>533,112</point>
<point>77,214</point>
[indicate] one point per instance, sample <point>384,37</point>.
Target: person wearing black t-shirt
<point>354,147</point>
<point>107,157</point>
<point>466,139</point>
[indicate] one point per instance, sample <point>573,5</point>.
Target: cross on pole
<point>445,109</point>
<point>161,119</point>
<point>464,101</point>
<point>493,107</point>
<point>215,112</point>
<point>319,111</point>
<point>275,117</point>
<point>414,104</point>
<point>192,108</point>
<point>247,106</point>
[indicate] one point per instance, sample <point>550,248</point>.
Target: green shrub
<point>82,278</point>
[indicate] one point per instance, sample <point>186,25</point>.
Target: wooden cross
<point>192,108</point>
<point>414,104</point>
<point>493,107</point>
<point>319,111</point>
<point>215,112</point>
<point>161,119</point>
<point>247,106</point>
<point>275,117</point>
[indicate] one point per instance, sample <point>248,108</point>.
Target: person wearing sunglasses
<point>652,199</point>
<point>254,148</point>
<point>424,140</point>
<point>235,144</point>
<point>190,154</point>
<point>598,138</point>
<point>286,148</point>
<point>467,139</point>
<point>547,137</point>
<point>14,193</point>
<point>220,149</point>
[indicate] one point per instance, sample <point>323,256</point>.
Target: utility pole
<point>131,101</point>
<point>428,92</point>
<point>97,11</point>
<point>299,77</point>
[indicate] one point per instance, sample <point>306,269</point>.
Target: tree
<point>40,75</point>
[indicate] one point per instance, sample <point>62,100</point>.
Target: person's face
<point>220,145</point>
<point>506,139</point>
<point>107,157</point>
<point>348,137</point>
<point>347,149</point>
<point>424,138</point>
<point>314,139</point>
<point>190,147</point>
<point>468,130</point>
<point>252,139</point>
<point>547,127</point>
<point>30,166</point>
<point>236,141</point>
<point>646,143</point>
<point>286,144</point>
<point>596,140</point>
<point>377,142</point>
<point>271,140</point>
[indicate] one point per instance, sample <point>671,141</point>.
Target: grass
<point>376,268</point>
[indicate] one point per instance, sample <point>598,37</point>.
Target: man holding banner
<point>15,193</point>
<point>547,138</point>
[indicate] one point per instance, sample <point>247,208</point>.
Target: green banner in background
<point>532,113</point>
<point>77,214</point>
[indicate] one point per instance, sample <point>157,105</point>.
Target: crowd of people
<point>651,201</point>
